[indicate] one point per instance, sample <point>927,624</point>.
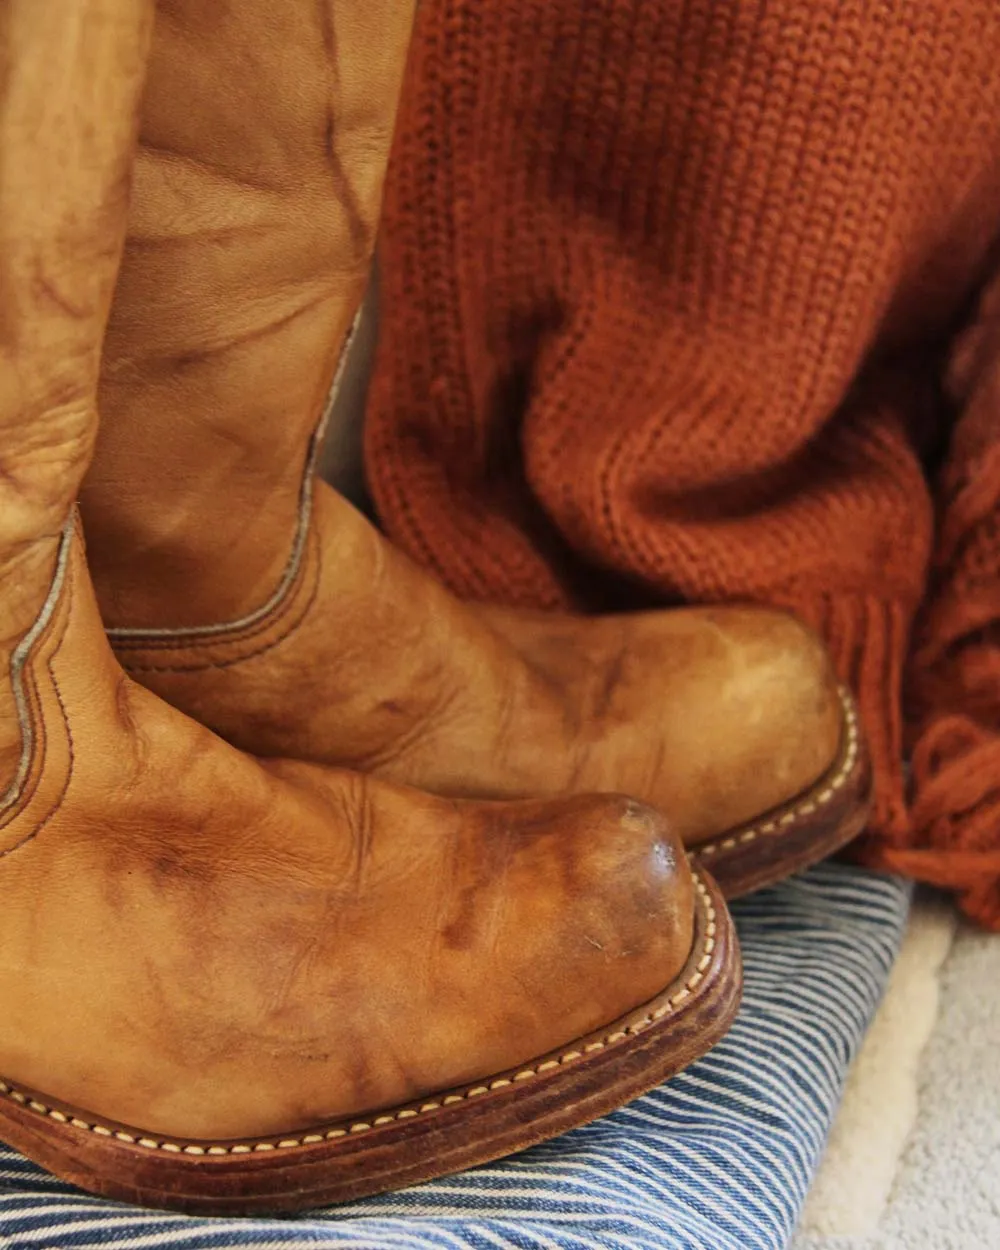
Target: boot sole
<point>801,832</point>
<point>443,1133</point>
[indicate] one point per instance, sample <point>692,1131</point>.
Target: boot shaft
<point>254,217</point>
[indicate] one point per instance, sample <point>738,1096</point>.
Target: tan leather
<point>239,281</point>
<point>264,142</point>
<point>57,271</point>
<point>714,716</point>
<point>206,946</point>
<point>193,941</point>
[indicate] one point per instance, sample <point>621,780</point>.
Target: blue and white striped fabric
<point>720,1158</point>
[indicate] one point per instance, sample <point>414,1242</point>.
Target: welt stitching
<point>355,1128</point>
<point>819,796</point>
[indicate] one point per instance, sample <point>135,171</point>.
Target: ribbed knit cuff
<point>948,834</point>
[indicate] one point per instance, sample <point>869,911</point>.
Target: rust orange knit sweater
<point>689,300</point>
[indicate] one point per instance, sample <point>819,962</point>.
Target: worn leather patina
<point>240,984</point>
<point>262,603</point>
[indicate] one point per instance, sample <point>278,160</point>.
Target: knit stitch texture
<point>681,303</point>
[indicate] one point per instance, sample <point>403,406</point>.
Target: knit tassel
<point>956,817</point>
<point>954,680</point>
<point>950,837</point>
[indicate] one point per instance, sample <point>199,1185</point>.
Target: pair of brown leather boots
<point>243,964</point>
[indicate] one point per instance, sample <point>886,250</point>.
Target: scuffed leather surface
<point>192,940</point>
<point>183,924</point>
<point>63,199</point>
<point>255,210</point>
<point>264,141</point>
<point>713,715</point>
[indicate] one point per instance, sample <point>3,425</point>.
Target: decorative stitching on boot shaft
<point>19,665</point>
<point>355,1127</point>
<point>292,604</point>
<point>35,737</point>
<point>207,633</point>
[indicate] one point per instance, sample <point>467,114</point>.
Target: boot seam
<point>34,739</point>
<point>259,628</point>
<point>192,635</point>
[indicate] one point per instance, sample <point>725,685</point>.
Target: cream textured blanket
<point>913,1161</point>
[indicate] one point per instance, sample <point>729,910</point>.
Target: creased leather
<point>202,944</point>
<point>191,940</point>
<point>712,715</point>
<point>256,206</point>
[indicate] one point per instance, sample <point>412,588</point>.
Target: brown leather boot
<point>233,985</point>
<point>264,605</point>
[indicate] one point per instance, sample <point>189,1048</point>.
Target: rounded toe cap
<point>766,724</point>
<point>602,890</point>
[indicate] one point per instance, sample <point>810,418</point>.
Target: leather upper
<point>193,941</point>
<point>197,943</point>
<point>272,611</point>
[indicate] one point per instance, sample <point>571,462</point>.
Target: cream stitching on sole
<point>13,1094</point>
<point>808,806</point>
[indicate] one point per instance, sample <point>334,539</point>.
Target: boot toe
<point>600,888</point>
<point>765,724</point>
